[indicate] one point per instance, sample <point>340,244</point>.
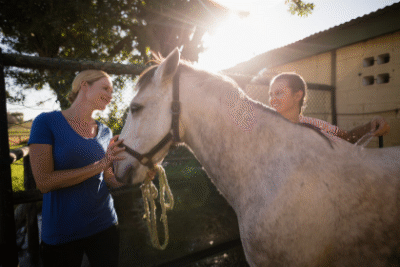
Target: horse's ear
<point>168,67</point>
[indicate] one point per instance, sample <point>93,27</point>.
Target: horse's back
<point>385,159</point>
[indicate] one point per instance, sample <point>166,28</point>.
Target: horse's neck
<point>230,136</point>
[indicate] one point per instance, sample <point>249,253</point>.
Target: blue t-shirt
<point>84,209</point>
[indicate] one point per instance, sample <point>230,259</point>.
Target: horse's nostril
<point>119,179</point>
<point>130,174</point>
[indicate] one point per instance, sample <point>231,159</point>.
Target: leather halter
<point>172,135</point>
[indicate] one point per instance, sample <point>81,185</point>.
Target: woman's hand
<point>110,180</point>
<point>113,150</point>
<point>379,126</point>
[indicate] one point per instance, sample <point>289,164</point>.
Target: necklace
<point>83,128</point>
<point>86,129</point>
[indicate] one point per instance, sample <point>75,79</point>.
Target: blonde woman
<point>287,95</point>
<point>71,156</point>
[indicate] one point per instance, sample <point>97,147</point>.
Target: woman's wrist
<point>103,163</point>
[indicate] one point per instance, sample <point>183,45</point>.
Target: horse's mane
<point>148,74</point>
<point>318,130</point>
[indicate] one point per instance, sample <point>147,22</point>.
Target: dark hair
<point>295,82</point>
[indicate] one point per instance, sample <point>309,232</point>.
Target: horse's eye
<point>136,108</point>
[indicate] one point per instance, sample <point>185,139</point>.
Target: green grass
<point>17,168</point>
<point>17,173</point>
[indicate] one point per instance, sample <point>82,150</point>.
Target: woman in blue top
<point>71,156</point>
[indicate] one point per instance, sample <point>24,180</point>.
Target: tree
<point>105,30</point>
<point>18,116</point>
<point>101,30</point>
<point>11,120</point>
<point>300,8</point>
<point>118,113</point>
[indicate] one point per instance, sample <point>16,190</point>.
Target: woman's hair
<point>89,76</point>
<point>296,83</point>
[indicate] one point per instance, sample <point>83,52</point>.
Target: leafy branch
<point>299,7</point>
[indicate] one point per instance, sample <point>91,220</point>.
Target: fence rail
<point>27,196</point>
<point>73,65</point>
<point>19,153</point>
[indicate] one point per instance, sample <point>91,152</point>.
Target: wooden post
<point>31,216</point>
<point>333,83</point>
<point>8,238</point>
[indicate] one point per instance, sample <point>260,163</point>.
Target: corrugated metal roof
<point>383,21</point>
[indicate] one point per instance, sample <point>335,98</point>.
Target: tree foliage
<point>300,8</point>
<point>118,113</point>
<point>104,30</point>
<point>101,30</point>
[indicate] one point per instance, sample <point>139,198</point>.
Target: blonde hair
<point>89,76</point>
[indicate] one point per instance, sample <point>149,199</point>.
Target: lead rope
<point>149,194</point>
<point>364,140</point>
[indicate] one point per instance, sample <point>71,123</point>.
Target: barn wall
<point>356,101</point>
<point>354,93</point>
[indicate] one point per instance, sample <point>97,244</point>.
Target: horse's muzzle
<point>128,176</point>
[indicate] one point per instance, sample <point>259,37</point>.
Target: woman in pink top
<point>287,95</point>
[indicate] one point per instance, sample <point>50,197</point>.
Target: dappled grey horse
<point>300,199</point>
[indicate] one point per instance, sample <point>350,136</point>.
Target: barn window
<point>368,80</point>
<point>368,62</point>
<point>382,78</point>
<point>383,59</point>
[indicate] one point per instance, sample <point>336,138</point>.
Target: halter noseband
<point>173,134</point>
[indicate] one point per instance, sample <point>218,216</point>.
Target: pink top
<point>328,129</point>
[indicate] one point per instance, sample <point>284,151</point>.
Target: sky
<point>268,26</point>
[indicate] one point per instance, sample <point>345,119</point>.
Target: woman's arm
<point>377,126</point>
<point>42,164</point>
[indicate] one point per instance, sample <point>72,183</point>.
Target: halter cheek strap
<point>173,134</point>
<point>175,107</point>
<point>146,159</point>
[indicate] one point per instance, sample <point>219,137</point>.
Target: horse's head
<point>147,132</point>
